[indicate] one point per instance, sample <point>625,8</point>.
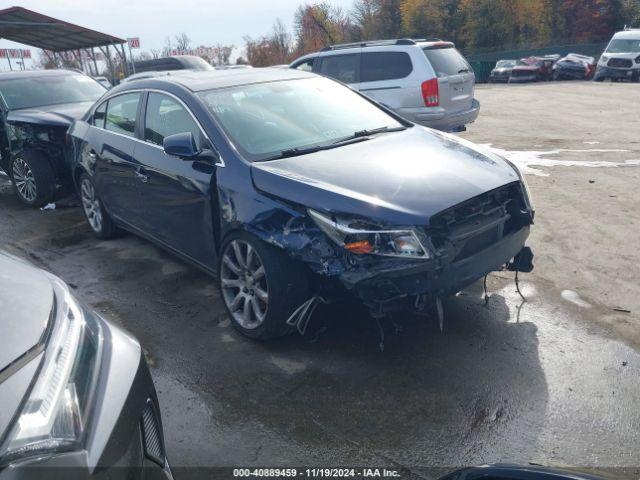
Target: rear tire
<point>97,217</point>
<point>33,178</point>
<point>260,286</point>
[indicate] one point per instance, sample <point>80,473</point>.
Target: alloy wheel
<point>244,284</point>
<point>91,205</point>
<point>24,180</point>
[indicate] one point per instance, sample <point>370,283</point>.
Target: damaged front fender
<point>284,226</point>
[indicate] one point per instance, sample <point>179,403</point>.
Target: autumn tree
<point>377,19</point>
<point>431,18</point>
<point>273,49</point>
<point>321,24</point>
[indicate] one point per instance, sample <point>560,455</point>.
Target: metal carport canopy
<point>21,25</point>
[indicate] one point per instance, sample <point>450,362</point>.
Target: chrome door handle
<point>142,177</point>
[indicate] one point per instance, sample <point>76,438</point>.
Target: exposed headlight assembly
<point>55,413</point>
<point>525,186</point>
<point>20,132</point>
<point>363,240</point>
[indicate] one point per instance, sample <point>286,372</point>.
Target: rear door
<point>108,148</point>
<point>176,192</point>
<point>384,75</point>
<point>456,80</point>
<point>341,66</point>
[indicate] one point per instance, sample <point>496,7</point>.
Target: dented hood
<point>400,178</point>
<point>55,115</point>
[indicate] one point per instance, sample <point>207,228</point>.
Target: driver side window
<point>166,116</point>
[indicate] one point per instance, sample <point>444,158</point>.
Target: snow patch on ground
<point>526,160</point>
<point>574,298</point>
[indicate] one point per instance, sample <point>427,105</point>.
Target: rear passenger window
<point>122,112</point>
<point>99,114</point>
<point>446,61</point>
<point>306,66</point>
<point>166,116</point>
<point>340,67</point>
<point>378,66</point>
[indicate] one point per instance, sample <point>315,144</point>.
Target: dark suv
<point>36,109</point>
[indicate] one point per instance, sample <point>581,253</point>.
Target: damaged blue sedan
<point>293,190</point>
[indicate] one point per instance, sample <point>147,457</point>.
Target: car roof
<point>375,46</point>
<point>197,81</point>
<point>633,34</point>
<point>36,73</point>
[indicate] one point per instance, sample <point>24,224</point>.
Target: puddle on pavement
<point>526,160</point>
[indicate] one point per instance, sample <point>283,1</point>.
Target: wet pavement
<point>540,381</point>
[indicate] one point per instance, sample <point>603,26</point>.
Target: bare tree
<point>155,53</point>
<point>182,41</point>
<point>281,42</point>
<point>168,46</point>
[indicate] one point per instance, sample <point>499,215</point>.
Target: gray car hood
<point>26,303</point>
<point>54,115</point>
<point>400,178</point>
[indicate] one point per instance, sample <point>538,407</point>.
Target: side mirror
<point>181,145</point>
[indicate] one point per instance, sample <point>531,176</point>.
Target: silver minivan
<point>427,82</point>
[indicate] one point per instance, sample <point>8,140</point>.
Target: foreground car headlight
<point>603,59</point>
<point>364,240</point>
<point>56,410</point>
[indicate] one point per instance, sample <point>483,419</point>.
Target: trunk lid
<point>456,80</point>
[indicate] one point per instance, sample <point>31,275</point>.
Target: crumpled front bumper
<point>617,73</point>
<point>400,279</point>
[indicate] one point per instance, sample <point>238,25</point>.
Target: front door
<point>176,192</point>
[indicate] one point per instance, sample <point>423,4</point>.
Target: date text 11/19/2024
<point>316,473</point>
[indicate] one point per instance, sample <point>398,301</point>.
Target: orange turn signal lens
<point>362,246</point>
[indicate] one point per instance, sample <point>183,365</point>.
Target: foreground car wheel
<point>260,285</point>
<point>97,218</point>
<point>33,179</point>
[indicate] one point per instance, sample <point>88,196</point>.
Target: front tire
<point>33,178</point>
<point>260,286</point>
<point>98,219</point>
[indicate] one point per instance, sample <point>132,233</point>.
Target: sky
<point>205,22</point>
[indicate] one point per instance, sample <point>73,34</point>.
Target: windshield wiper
<point>464,70</point>
<point>359,136</point>
<point>367,133</point>
<point>295,152</point>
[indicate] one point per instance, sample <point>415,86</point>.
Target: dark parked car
<point>502,71</point>
<point>177,62</point>
<point>574,67</point>
<point>518,472</point>
<point>533,69</point>
<point>104,81</point>
<point>75,390</point>
<point>294,189</point>
<point>36,109</point>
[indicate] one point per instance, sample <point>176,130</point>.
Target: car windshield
<point>505,63</point>
<point>265,119</point>
<point>29,92</point>
<point>624,45</point>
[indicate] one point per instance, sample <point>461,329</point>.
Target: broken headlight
<point>359,238</point>
<point>525,187</point>
<point>55,412</point>
<point>19,132</point>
